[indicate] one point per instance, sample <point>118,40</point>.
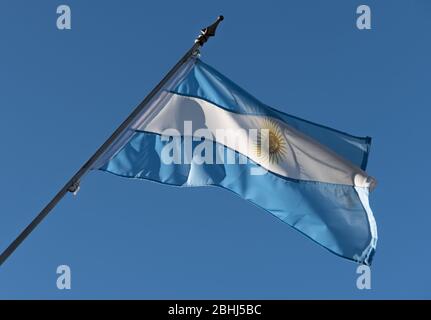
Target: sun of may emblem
<point>277,145</point>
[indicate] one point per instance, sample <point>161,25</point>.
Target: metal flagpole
<point>73,184</point>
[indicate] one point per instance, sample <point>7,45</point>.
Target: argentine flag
<point>202,129</point>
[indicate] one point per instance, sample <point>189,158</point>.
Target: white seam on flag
<point>363,194</point>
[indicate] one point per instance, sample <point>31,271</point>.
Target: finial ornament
<point>208,31</point>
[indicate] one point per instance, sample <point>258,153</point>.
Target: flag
<point>202,129</point>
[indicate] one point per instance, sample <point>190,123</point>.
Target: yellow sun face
<point>277,146</point>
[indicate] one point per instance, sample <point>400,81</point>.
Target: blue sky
<point>63,92</point>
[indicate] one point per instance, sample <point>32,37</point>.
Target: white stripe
<point>305,159</point>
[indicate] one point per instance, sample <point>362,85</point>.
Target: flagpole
<point>73,184</point>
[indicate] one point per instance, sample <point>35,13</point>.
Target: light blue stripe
<point>207,83</point>
<point>330,214</point>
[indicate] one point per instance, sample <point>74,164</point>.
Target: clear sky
<point>63,92</point>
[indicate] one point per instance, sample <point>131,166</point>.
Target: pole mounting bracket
<point>74,188</point>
